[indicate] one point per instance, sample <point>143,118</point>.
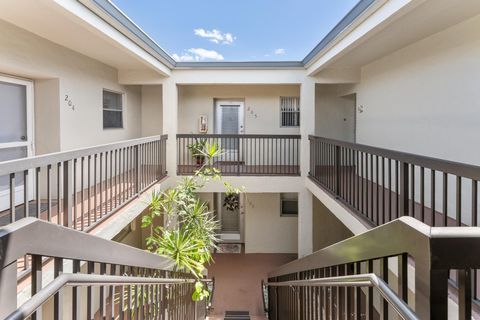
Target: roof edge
<point>118,15</point>
<point>241,65</point>
<point>115,13</point>
<point>346,21</point>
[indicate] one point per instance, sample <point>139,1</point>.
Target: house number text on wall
<point>69,102</point>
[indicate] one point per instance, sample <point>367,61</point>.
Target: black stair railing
<point>395,252</point>
<point>75,275</point>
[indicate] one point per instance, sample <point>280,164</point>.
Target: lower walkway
<point>238,281</point>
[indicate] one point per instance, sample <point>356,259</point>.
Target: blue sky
<point>236,30</point>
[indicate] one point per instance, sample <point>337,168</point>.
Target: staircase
<point>339,282</point>
<point>88,277</point>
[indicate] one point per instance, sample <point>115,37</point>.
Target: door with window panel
<point>15,135</point>
<point>229,120</point>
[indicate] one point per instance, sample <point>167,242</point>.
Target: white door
<point>229,119</point>
<point>16,132</point>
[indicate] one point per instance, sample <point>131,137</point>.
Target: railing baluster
<point>12,197</point>
<point>89,196</point>
<point>58,297</point>
<point>49,193</point>
<point>459,201</point>
<point>422,194</point>
<point>76,299</point>
<point>432,195</point>
<point>59,202</point>
<point>464,294</point>
<point>37,193</point>
<point>377,202</point>
<point>384,218</point>
<point>90,310</point>
<point>101,184</point>
<point>370,292</point>
<point>412,192</point>
<point>82,193</point>
<point>474,203</point>
<point>26,186</point>
<point>445,199</point>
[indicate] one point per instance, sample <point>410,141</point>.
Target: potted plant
<point>197,150</point>
<point>232,201</point>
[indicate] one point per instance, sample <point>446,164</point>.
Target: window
<point>289,204</point>
<point>112,109</point>
<point>290,111</point>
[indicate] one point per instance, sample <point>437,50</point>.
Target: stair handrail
<point>359,280</point>
<point>434,250</point>
<point>70,279</point>
<point>41,239</point>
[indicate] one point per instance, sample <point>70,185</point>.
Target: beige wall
<point>152,110</point>
<point>326,228</point>
<point>334,112</point>
<point>26,55</point>
<point>47,115</point>
<point>262,106</point>
<point>425,97</point>
<point>265,230</point>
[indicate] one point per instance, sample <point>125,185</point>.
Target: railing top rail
<point>404,235</point>
<point>244,136</point>
<point>19,165</point>
<point>456,168</point>
<point>34,236</point>
<point>359,280</point>
<point>79,279</point>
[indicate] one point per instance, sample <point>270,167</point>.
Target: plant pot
<point>200,160</point>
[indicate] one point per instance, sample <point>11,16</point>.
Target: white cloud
<point>215,36</point>
<point>184,57</point>
<point>279,51</point>
<point>198,54</point>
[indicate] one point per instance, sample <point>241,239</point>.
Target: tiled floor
<point>238,281</point>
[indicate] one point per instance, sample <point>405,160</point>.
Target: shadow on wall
<point>327,229</point>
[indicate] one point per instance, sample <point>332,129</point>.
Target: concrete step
<point>237,315</point>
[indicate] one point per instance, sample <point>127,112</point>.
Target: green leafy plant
<point>189,234</point>
<point>197,150</point>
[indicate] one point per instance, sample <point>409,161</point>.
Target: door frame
<point>241,215</point>
<point>29,143</point>
<point>241,113</point>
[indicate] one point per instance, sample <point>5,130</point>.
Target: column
<point>307,127</point>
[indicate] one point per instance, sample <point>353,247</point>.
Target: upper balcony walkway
<point>82,188</point>
<point>243,154</point>
<point>381,185</point>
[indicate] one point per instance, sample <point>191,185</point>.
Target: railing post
<point>137,170</point>
<point>8,289</point>
<point>238,156</point>
<point>465,294</point>
<point>337,171</point>
<point>311,169</point>
<point>439,294</point>
<point>67,193</point>
<point>403,192</point>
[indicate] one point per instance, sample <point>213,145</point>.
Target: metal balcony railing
<point>80,188</point>
<point>381,185</point>
<point>243,154</point>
